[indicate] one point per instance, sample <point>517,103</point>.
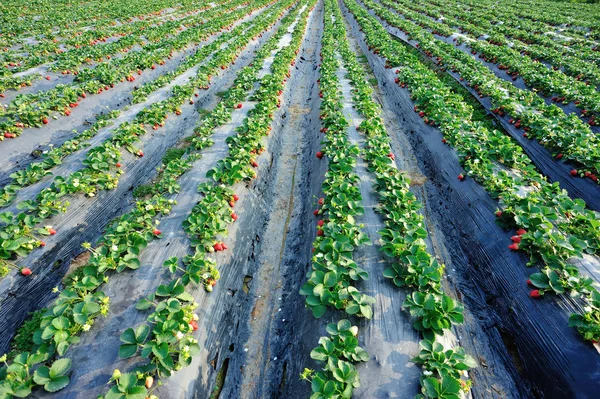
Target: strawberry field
<point>299,199</point>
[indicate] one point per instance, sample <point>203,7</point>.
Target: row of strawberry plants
<point>553,228</point>
<point>33,110</point>
<point>481,25</point>
<point>119,249</point>
<point>141,93</point>
<point>546,18</point>
<point>564,134</point>
<point>331,282</point>
<point>169,344</point>
<point>20,230</point>
<point>70,60</point>
<point>83,47</point>
<point>535,74</point>
<point>404,240</point>
<point>25,19</point>
<point>36,171</point>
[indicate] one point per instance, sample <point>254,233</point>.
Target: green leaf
<point>127,350</point>
<point>319,311</point>
<point>57,384</point>
<point>60,367</point>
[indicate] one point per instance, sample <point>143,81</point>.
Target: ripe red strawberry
<point>51,231</point>
<point>9,135</point>
<point>391,156</point>
<point>587,174</point>
<point>118,165</point>
<point>236,197</point>
<point>498,214</point>
<point>559,156</point>
<point>42,244</point>
<point>514,247</point>
<point>529,282</point>
<point>461,177</point>
<point>191,101</point>
<point>194,323</point>
<point>444,141</point>
<point>316,212</point>
<point>156,232</point>
<point>234,216</point>
<point>224,246</point>
<point>319,154</point>
<point>521,231</point>
<point>535,294</point>
<point>25,271</point>
<point>153,67</point>
<point>45,121</point>
<point>254,164</point>
<point>140,153</point>
<point>516,239</point>
<point>321,201</point>
<point>218,247</point>
<point>47,77</point>
<point>573,172</point>
<point>320,223</point>
<point>320,232</point>
<point>421,114</point>
<point>239,105</point>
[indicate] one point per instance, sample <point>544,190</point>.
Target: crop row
<point>547,81</point>
<point>553,228</point>
<point>331,282</point>
<point>25,19</point>
<point>563,134</point>
<point>170,345</point>
<point>403,240</point>
<point>81,302</point>
<point>20,230</point>
<point>86,48</point>
<point>34,172</point>
<point>531,43</point>
<point>34,109</point>
<point>334,272</point>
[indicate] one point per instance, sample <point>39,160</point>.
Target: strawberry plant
<point>338,352</point>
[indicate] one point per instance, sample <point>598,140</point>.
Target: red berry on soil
<point>194,324</point>
<point>156,232</point>
<point>234,216</point>
<point>461,177</point>
<point>45,121</point>
<point>516,239</point>
<point>521,232</point>
<point>320,232</point>
<point>319,154</point>
<point>25,271</point>
<point>535,294</point>
<point>514,247</point>
<point>573,172</point>
<point>236,197</point>
<point>321,201</point>
<point>218,247</point>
